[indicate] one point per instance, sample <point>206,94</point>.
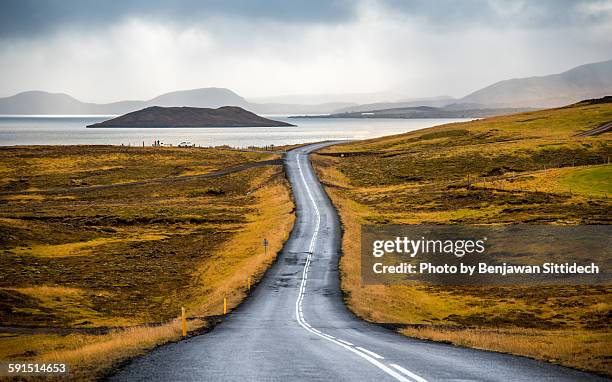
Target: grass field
<point>103,261</point>
<point>523,168</point>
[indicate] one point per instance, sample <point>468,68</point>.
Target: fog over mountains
<point>583,82</point>
<point>40,102</point>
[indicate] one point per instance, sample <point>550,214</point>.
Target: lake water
<point>70,130</point>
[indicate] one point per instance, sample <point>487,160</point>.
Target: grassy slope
<point>128,256</point>
<point>528,168</point>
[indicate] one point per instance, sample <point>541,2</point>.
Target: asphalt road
<point>295,327</point>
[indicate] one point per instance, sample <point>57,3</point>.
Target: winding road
<point>295,327</point>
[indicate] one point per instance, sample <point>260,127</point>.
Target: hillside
<point>157,116</point>
<point>586,81</point>
<point>527,168</point>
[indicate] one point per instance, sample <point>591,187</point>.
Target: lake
<point>70,130</point>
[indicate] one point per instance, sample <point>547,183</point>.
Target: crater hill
<point>157,116</point>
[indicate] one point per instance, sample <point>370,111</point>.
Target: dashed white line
<point>377,356</point>
<point>361,352</point>
<point>408,373</point>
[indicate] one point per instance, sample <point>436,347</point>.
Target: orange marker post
<point>184,321</point>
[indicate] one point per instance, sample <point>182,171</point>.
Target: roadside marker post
<point>265,245</point>
<point>224,305</point>
<point>184,321</point>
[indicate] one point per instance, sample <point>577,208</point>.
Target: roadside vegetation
<point>95,275</point>
<point>523,168</point>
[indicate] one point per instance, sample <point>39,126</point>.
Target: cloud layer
<point>104,51</point>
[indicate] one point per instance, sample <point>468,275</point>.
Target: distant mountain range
<point>582,82</point>
<point>39,102</point>
<point>586,81</point>
<point>157,116</point>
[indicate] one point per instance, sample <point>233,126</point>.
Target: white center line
<point>408,373</point>
<point>377,356</point>
<point>363,353</point>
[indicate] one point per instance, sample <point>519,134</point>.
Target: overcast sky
<point>136,49</point>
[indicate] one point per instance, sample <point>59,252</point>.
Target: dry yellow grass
<point>567,348</point>
<point>93,359</point>
<point>92,356</point>
<point>73,304</point>
<point>565,180</point>
<point>25,198</point>
<point>80,248</point>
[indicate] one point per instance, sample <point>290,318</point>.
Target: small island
<point>157,116</point>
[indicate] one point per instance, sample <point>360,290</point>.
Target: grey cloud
<point>25,18</point>
<point>500,13</point>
